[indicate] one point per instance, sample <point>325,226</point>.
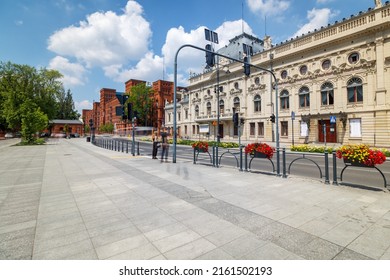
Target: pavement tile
<point>115,248</point>
<point>144,252</point>
<point>175,240</point>
<point>190,250</point>
<point>242,245</point>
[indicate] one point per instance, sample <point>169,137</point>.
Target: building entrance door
<point>331,133</point>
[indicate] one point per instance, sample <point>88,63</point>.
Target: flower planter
<point>259,155</point>
<point>201,150</point>
<point>356,163</point>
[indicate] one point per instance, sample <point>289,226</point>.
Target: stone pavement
<point>72,200</point>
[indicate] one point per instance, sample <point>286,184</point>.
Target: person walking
<point>164,145</point>
<point>156,145</point>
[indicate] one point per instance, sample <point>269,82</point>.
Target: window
<point>236,104</point>
<point>284,128</point>
<point>196,111</point>
<point>221,107</point>
<point>353,58</point>
<point>186,114</point>
<point>252,127</point>
<point>327,94</point>
<point>178,116</point>
<point>304,97</point>
<point>193,129</point>
<point>208,108</point>
<point>208,92</point>
<point>185,130</point>
<point>355,90</point>
<point>303,70</point>
<point>257,103</point>
<point>355,128</point>
<point>236,86</point>
<point>326,64</point>
<point>257,80</point>
<point>284,100</point>
<point>283,74</point>
<point>260,129</point>
<point>169,117</point>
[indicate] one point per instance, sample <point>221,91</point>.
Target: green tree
<point>33,120</point>
<point>141,97</point>
<point>66,109</point>
<point>21,82</point>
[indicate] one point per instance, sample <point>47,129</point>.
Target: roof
<point>66,122</point>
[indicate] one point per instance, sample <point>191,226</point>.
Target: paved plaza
<point>71,200</point>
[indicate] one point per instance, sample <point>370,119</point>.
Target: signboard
<point>118,110</point>
<point>204,128</point>
<point>293,115</point>
<point>211,36</point>
<point>332,119</point>
<point>122,97</point>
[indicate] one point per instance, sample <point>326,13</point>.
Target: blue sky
<point>103,43</point>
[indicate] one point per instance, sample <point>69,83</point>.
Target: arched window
<point>327,94</point>
<point>236,103</point>
<point>196,111</point>
<point>208,108</point>
<point>221,106</point>
<point>304,97</point>
<point>355,90</point>
<point>284,100</point>
<point>257,103</point>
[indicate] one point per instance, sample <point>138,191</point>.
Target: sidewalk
<point>72,200</point>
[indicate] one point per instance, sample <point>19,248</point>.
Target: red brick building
<point>104,112</point>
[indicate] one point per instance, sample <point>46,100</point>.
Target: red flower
<point>261,148</point>
<point>201,145</point>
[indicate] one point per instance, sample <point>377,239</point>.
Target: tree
<point>66,109</point>
<point>141,96</point>
<point>33,120</point>
<point>21,82</point>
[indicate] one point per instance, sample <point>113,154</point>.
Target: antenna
<point>265,25</point>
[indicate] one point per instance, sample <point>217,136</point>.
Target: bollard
<point>127,147</point>
<point>246,162</point>
<point>240,157</point>
<point>277,162</point>
<point>138,149</point>
<point>194,161</point>
<point>334,168</point>
<point>284,162</point>
<point>214,154</point>
<point>326,168</point>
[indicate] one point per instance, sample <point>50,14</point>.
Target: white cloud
<point>105,38</point>
<point>149,68</point>
<point>192,60</point>
<point>317,18</point>
<point>85,104</point>
<point>268,7</point>
<point>324,1</point>
<point>73,73</point>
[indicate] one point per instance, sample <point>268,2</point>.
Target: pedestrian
<point>156,145</point>
<point>164,145</point>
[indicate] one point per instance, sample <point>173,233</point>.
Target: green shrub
<point>304,148</point>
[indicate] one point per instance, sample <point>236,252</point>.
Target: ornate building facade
<point>333,86</point>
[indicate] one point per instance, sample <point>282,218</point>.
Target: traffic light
<point>272,118</point>
<point>242,121</point>
<point>247,67</point>
<point>210,57</point>
<point>235,119</point>
<point>90,122</point>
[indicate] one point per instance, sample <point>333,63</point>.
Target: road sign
<point>293,115</point>
<point>332,119</point>
<point>122,97</point>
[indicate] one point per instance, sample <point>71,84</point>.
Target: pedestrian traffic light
<point>235,119</point>
<point>210,57</point>
<point>272,118</point>
<point>247,67</point>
